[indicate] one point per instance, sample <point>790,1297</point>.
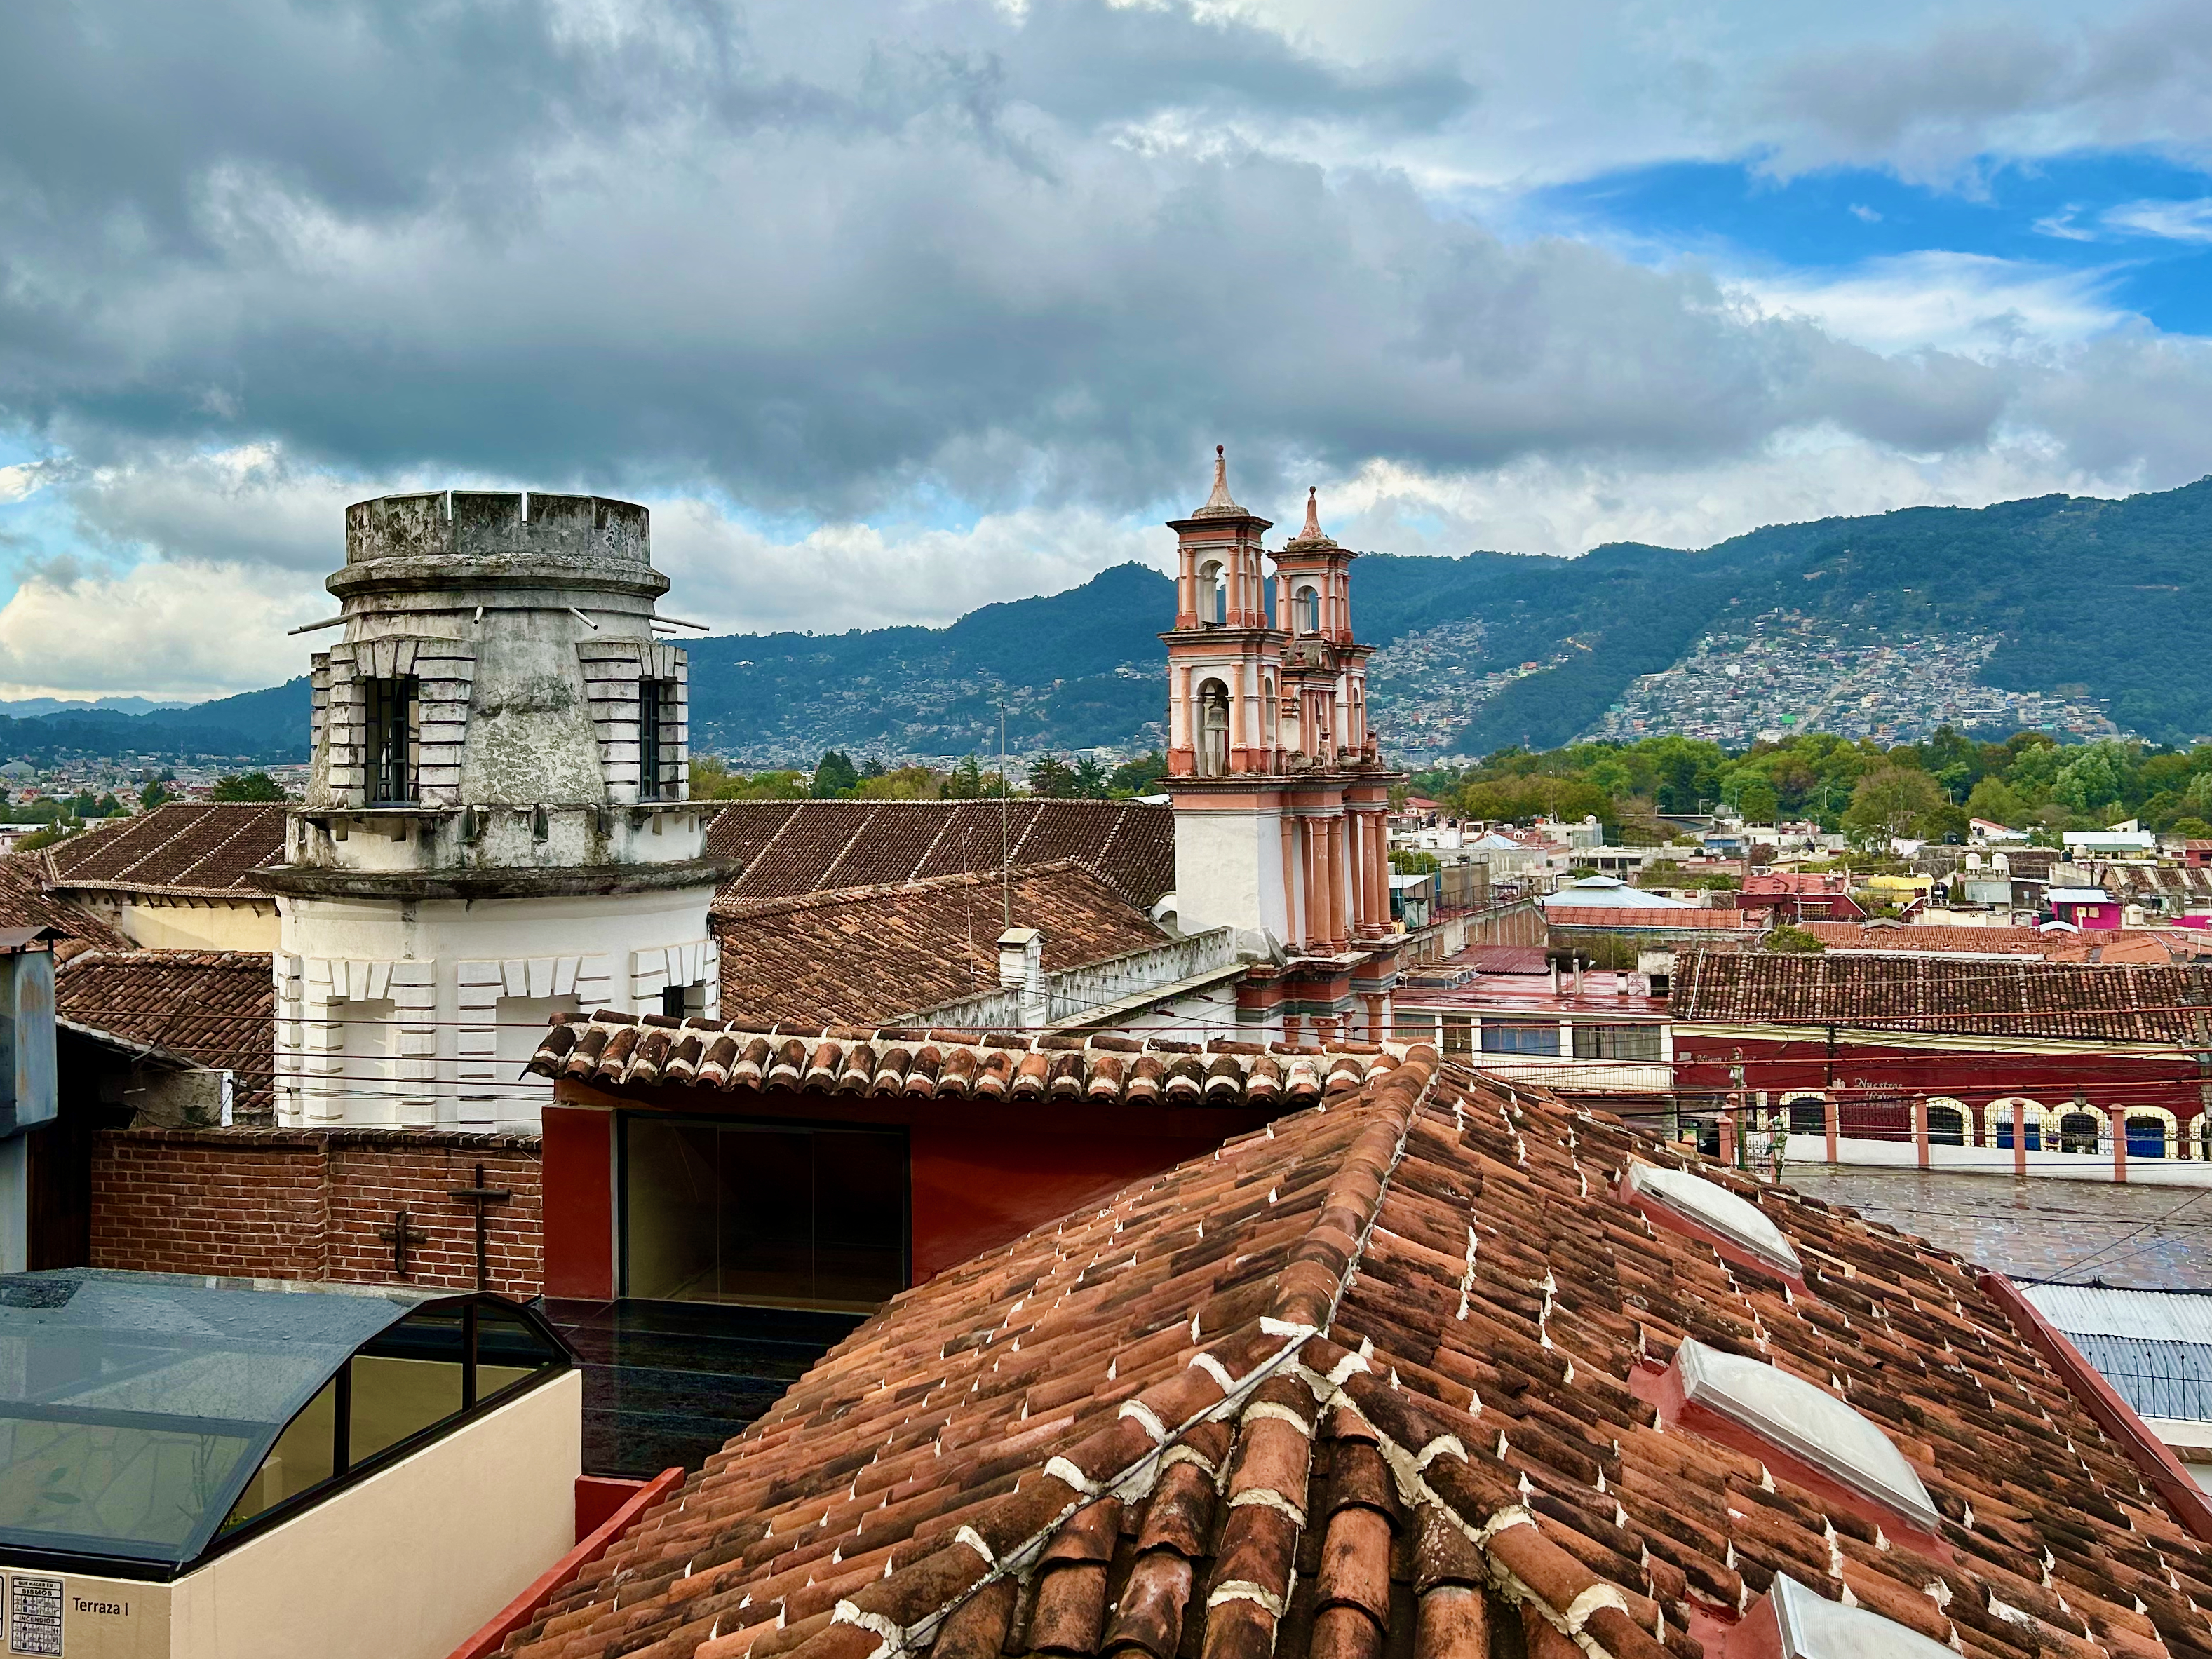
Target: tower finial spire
<point>1313,515</point>
<point>1219,504</point>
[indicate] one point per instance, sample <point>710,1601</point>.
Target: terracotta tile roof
<point>615,1050</point>
<point>1931,994</point>
<point>1583,915</point>
<point>1371,1382</point>
<point>792,847</point>
<point>214,1007</point>
<point>189,848</point>
<point>865,954</point>
<point>25,902</point>
<point>1982,941</point>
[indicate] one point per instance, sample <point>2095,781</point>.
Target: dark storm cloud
<point>824,258</point>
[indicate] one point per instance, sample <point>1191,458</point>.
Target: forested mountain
<point>2098,598</point>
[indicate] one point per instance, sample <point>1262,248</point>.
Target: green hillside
<point>2110,596</point>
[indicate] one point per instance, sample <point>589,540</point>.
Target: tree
<point>1089,779</point>
<point>1894,801</point>
<point>1998,801</point>
<point>965,780</point>
<point>1054,777</point>
<point>1414,861</point>
<point>902,783</point>
<point>2091,781</point>
<point>247,787</point>
<point>834,776</point>
<point>1797,941</point>
<point>153,795</point>
<point>1142,776</point>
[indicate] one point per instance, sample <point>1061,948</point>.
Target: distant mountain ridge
<point>2111,596</point>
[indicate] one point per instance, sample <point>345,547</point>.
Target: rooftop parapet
<point>466,545</point>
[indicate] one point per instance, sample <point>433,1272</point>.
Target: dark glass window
<point>672,999</point>
<point>1505,1038</point>
<point>414,1374</point>
<point>406,1378</point>
<point>1616,1042</point>
<point>653,708</point>
<point>767,1215</point>
<point>395,740</point>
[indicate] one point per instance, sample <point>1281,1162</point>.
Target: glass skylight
<point>1809,1423</point>
<point>138,1412</point>
<point>1813,1627</point>
<point>1711,1205</point>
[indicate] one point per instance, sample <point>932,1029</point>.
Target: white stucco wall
<point>446,964</point>
<point>1228,871</point>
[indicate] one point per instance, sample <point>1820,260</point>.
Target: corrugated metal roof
<point>2092,1310</point>
<point>2154,1346</point>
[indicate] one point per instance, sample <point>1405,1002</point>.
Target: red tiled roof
<point>1366,1383</point>
<point>788,847</point>
<point>2103,944</point>
<point>214,1007</point>
<point>1933,993</point>
<point>614,1050</point>
<point>1635,916</point>
<point>25,902</point>
<point>194,848</point>
<point>1983,941</point>
<point>868,954</point>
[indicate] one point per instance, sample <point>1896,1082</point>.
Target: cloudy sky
<point>892,309</point>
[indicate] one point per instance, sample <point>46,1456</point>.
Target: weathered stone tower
<point>497,826</point>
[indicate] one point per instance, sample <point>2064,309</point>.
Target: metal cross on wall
<point>402,1235</point>
<point>481,1197</point>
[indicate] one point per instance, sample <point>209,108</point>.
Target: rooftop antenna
<point>1006,852</point>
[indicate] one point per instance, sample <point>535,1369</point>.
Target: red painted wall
<point>973,1189</point>
<point>1860,1074</point>
<point>580,1203</point>
<point>979,1174</point>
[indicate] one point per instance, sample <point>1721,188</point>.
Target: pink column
<point>2019,1137</point>
<point>2116,1116</point>
<point>1831,1113</point>
<point>1920,1131</point>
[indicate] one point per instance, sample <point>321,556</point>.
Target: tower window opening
<point>655,705</point>
<point>395,740</point>
<point>1305,610</point>
<point>1212,729</point>
<point>1212,595</point>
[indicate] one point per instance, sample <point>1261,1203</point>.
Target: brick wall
<point>308,1204</point>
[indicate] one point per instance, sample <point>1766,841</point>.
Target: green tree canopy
<point>1895,800</point>
<point>247,787</point>
<point>834,776</point>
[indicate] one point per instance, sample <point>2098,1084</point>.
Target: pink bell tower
<point>1280,795</point>
<point>1222,654</point>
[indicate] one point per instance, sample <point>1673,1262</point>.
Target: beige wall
<point>212,926</point>
<point>412,1562</point>
<point>406,1565</point>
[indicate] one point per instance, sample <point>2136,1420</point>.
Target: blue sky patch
<point>2145,221</point>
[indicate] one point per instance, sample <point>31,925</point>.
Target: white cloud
<point>1968,304</point>
<point>860,575</point>
<point>20,481</point>
<point>2179,222</point>
<point>157,630</point>
<point>1544,506</point>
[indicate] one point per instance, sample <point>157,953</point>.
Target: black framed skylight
<point>1709,1204</point>
<point>1807,1423</point>
<point>147,1419</point>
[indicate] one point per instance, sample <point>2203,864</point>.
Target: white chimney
<point>1021,969</point>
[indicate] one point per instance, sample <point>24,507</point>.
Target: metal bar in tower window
<point>648,740</point>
